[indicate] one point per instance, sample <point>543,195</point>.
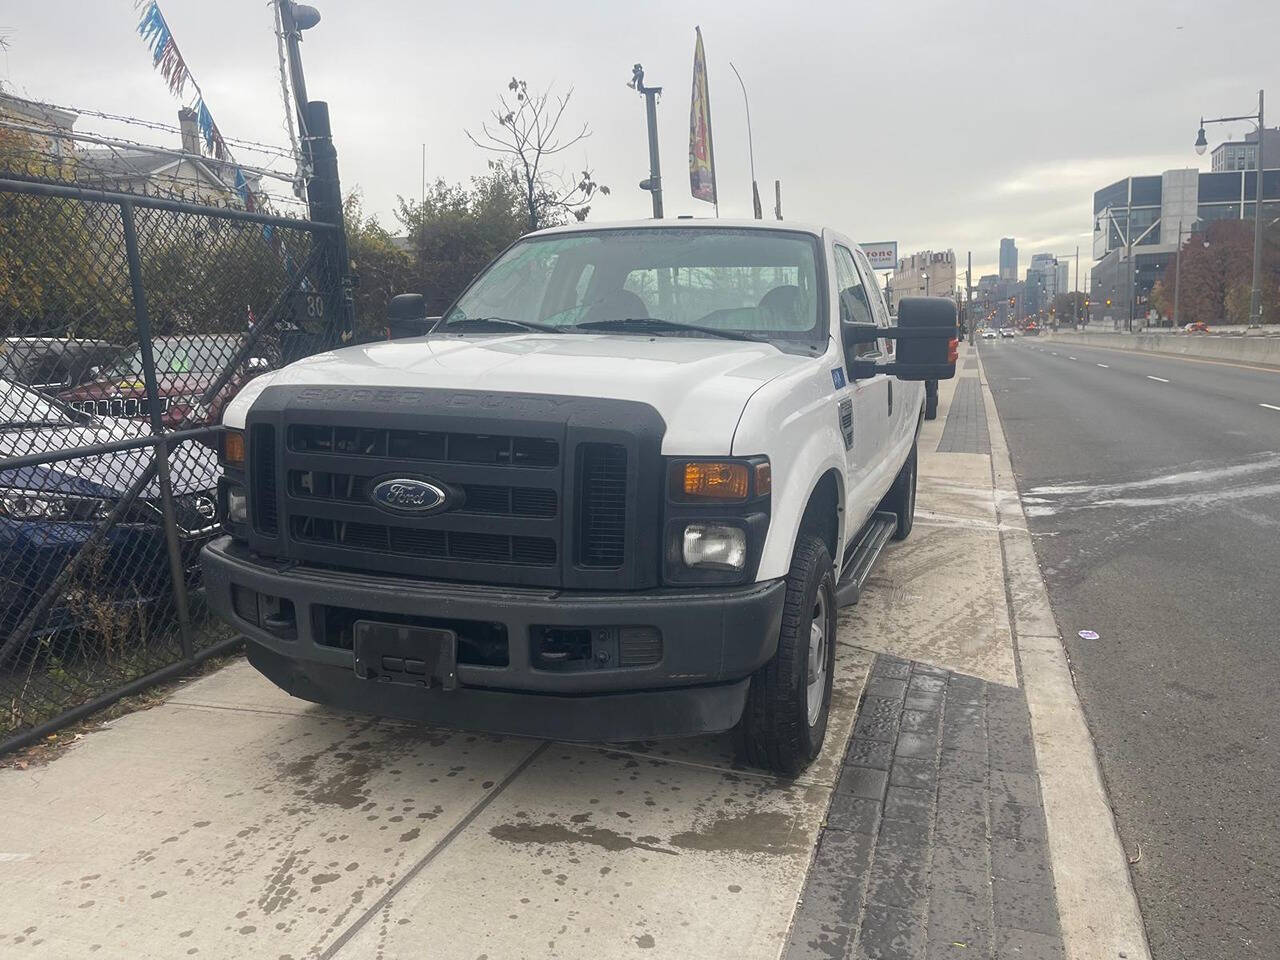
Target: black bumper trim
<point>713,639</point>
<point>642,715</point>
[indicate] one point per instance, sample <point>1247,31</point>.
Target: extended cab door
<point>903,396</point>
<point>869,397</point>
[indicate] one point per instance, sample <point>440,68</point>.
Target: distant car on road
<point>1008,333</point>
<point>1031,331</point>
<point>48,511</point>
<point>989,334</point>
<point>1197,327</point>
<point>186,367</point>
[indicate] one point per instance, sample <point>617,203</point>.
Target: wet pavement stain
<point>545,834</point>
<point>771,833</point>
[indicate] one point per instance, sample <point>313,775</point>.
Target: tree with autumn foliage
<point>1217,274</point>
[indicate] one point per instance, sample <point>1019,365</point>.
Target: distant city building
<point>1243,154</point>
<point>1149,214</point>
<point>999,303</point>
<point>924,274</point>
<point>1008,259</point>
<point>1042,284</point>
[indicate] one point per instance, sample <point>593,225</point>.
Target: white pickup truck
<point>617,492</point>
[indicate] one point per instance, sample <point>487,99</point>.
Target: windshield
<point>180,355</point>
<point>19,405</point>
<point>758,282</point>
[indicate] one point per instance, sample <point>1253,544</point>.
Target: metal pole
<point>1177,278</point>
<point>1077,291</point>
<point>1255,295</point>
<point>751,148</point>
<point>161,452</point>
<point>968,297</point>
<point>655,164</point>
<point>324,194</point>
<point>650,94</point>
<point>292,38</point>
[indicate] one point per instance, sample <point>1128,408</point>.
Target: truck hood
<point>699,386</point>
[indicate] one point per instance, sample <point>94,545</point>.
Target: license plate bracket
<point>406,654</point>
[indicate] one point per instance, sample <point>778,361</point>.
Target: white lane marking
<point>1054,352</point>
<point>1028,378</point>
<point>1157,379</point>
<point>1104,366</point>
<point>1070,358</point>
<point>14,857</point>
<point>1269,406</point>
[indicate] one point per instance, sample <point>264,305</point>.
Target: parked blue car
<point>48,511</point>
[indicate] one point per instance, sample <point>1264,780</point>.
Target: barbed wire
<point>257,146</point>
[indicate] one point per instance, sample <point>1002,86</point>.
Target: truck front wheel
<point>901,498</point>
<point>785,718</point>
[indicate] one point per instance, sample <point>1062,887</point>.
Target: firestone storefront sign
<point>883,256</point>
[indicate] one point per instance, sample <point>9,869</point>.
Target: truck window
<point>855,305</point>
<point>763,282</point>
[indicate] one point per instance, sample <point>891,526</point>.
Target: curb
<point>1096,901</point>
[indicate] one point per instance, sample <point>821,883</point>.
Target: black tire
<point>775,731</point>
<point>901,498</point>
<point>931,399</point>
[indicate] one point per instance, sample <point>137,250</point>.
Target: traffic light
<point>1108,301</point>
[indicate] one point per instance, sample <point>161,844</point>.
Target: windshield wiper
<point>523,324</point>
<point>656,325</point>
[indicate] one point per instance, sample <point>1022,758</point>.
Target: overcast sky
<point>942,125</point>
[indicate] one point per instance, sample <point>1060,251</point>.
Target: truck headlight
<point>714,546</point>
<point>237,505</point>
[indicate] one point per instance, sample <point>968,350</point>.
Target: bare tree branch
<point>526,133</point>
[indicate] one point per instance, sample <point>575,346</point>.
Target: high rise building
<point>1243,154</point>
<point>1008,259</point>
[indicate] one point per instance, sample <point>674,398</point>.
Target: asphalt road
<point>1152,487</point>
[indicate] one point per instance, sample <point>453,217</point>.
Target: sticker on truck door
<point>837,377</point>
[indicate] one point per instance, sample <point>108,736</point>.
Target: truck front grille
<point>265,501</point>
<point>479,498</point>
<point>602,504</point>
<point>432,544</point>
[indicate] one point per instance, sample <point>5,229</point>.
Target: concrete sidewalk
<point>232,821</point>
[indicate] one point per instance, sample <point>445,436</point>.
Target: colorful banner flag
<point>702,157</point>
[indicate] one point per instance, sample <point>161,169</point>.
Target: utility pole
<point>294,18</point>
<point>654,183</point>
<point>968,297</point>
<point>1177,278</point>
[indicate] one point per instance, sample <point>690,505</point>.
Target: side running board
<point>862,558</point>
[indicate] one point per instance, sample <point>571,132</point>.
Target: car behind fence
<point>127,322</point>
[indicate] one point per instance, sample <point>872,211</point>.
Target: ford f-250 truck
<point>618,492</point>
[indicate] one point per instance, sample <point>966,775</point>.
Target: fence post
<point>324,196</point>
<point>161,451</point>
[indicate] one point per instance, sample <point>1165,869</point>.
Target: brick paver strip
<point>966,428</point>
<point>934,845</point>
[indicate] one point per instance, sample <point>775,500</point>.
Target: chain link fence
<point>128,322</point>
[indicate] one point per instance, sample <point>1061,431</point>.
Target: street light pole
<point>654,183</point>
<point>1255,293</point>
<point>751,148</point>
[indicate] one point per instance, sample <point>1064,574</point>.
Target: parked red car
<point>186,367</point>
<point>1198,327</point>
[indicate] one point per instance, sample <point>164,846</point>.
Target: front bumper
<point>713,639</point>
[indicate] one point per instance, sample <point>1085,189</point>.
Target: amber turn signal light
<point>233,449</point>
<point>715,480</point>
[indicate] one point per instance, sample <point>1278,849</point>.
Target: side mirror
<point>407,316</point>
<point>927,341</point>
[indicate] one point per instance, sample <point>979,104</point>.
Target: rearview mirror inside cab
<point>926,334</point>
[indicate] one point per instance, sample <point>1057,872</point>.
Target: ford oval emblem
<point>409,495</point>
